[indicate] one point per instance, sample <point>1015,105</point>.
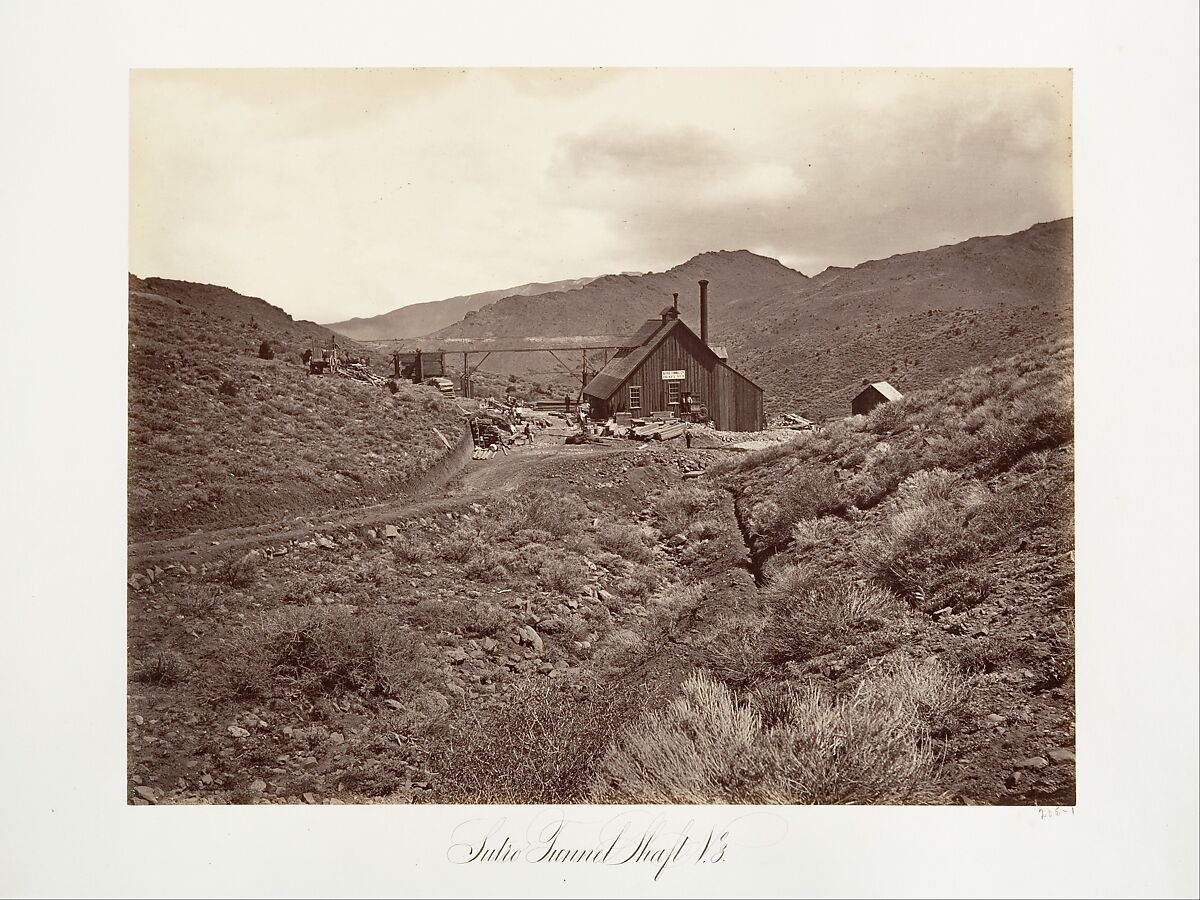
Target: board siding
<point>734,403</point>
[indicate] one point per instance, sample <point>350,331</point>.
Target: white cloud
<point>341,193</point>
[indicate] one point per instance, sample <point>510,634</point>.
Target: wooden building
<point>666,366</point>
<point>419,366</point>
<point>872,395</point>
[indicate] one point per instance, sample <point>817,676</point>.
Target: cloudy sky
<point>338,193</point>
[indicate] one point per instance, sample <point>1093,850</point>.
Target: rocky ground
<point>558,616</point>
<point>487,643</point>
<point>220,436</point>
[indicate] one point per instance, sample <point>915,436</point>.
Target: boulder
<point>532,638</point>
<point>1033,762</point>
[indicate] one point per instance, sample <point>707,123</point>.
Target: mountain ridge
<point>615,304</point>
<point>911,318</point>
<point>419,319</point>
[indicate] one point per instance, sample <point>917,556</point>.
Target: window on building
<point>635,396</point>
<point>672,393</point>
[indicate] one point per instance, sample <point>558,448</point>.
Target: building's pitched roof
<point>884,389</point>
<point>887,390</point>
<point>649,336</point>
<point>609,379</point>
<point>643,334</point>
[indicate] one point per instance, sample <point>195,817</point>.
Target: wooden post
<point>466,376</point>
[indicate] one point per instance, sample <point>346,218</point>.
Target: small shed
<point>872,395</point>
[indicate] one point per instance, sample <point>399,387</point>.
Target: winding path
<point>475,482</point>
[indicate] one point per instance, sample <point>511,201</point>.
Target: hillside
<point>912,319</point>
<point>881,612</point>
<point>912,638</point>
<point>219,436</point>
<point>420,319</point>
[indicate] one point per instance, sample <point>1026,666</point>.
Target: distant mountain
<point>616,304</point>
<point>912,319</point>
<point>422,318</point>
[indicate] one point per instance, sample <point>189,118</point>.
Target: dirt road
<point>522,464</point>
<point>503,472</point>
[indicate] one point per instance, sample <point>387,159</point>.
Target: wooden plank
<point>669,431</point>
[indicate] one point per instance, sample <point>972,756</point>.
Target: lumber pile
<point>657,431</point>
<point>794,422</point>
<point>360,372</point>
<point>668,431</point>
<point>444,385</point>
<point>614,428</point>
<point>544,405</point>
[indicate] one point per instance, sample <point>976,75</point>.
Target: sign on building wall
<point>673,375</point>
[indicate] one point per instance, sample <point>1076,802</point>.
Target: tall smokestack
<point>704,310</point>
<point>675,300</point>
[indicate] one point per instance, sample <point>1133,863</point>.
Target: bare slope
<point>913,319</point>
<point>913,637</point>
<point>219,437</point>
<point>617,304</point>
<point>422,318</point>
<point>596,633</point>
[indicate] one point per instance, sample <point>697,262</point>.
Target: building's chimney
<point>675,300</point>
<point>704,310</point>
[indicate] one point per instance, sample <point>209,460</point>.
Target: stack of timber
<point>444,385</point>
<point>544,405</point>
<point>613,428</point>
<point>658,431</point>
<point>360,372</point>
<point>795,423</point>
